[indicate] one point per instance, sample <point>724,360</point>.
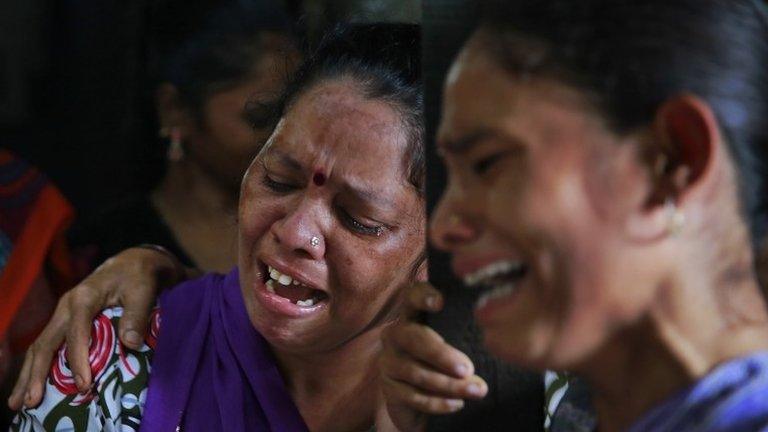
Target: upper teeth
<point>489,271</point>
<point>283,279</point>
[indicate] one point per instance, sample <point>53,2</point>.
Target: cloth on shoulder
<point>731,398</point>
<point>213,370</point>
<point>206,369</point>
<point>116,401</point>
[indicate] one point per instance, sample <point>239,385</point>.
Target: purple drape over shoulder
<point>212,371</point>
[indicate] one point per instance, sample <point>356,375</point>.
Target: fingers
<point>424,344</point>
<point>28,390</point>
<point>79,339</point>
<point>16,400</point>
<point>39,368</point>
<point>399,393</point>
<point>406,370</point>
<point>422,297</point>
<point>137,306</point>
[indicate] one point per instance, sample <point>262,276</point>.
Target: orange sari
<point>34,216</point>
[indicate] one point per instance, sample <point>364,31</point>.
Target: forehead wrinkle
<point>336,120</point>
<point>353,108</point>
<point>346,117</point>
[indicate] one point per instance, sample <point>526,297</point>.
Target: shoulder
<point>116,400</point>
<point>737,397</point>
<point>123,224</point>
<point>190,294</point>
<point>730,398</point>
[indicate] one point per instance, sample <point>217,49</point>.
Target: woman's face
<point>225,142</point>
<point>535,212</point>
<point>327,204</point>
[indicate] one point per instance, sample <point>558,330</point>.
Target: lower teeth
<point>501,291</point>
<point>305,303</point>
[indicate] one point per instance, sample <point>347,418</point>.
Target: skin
<point>199,194</point>
<point>197,199</point>
<point>611,292</point>
<point>328,357</point>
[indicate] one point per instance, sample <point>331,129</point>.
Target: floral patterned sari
<point>207,370</point>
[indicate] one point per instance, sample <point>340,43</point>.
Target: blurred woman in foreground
<point>607,192</point>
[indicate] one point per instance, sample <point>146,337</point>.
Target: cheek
<point>365,274</point>
<point>256,212</point>
<point>233,133</point>
<point>371,276</point>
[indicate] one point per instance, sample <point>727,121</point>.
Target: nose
<point>453,223</point>
<point>300,231</point>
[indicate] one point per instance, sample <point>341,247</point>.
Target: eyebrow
<point>367,195</point>
<point>466,142</point>
<point>286,159</point>
<point>358,193</point>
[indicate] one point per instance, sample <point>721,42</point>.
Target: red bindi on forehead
<point>318,178</point>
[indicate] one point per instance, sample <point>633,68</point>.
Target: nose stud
<point>314,241</point>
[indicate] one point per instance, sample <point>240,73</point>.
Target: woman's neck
<point>200,213</point>
<point>693,326</point>
<point>337,390</point>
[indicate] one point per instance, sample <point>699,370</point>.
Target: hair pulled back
<point>206,46</point>
<point>630,56</point>
<point>383,59</point>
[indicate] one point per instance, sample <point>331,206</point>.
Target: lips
<point>290,287</point>
<point>288,292</point>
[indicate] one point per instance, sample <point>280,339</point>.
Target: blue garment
<point>731,398</point>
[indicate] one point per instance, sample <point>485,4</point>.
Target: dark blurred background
<point>74,96</point>
<point>75,101</point>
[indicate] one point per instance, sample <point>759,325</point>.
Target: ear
<point>685,153</point>
<point>170,110</point>
<point>689,127</point>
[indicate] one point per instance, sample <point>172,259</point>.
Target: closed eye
<point>359,227</point>
<point>277,186</point>
<point>483,165</point>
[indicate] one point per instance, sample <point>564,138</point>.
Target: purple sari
<point>212,371</point>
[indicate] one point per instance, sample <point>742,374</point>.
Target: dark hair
<point>206,46</point>
<point>630,56</point>
<point>384,60</point>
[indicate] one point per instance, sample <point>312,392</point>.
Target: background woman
<point>207,60</point>
<point>327,238</point>
<point>608,194</point>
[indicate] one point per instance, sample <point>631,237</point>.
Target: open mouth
<point>293,290</point>
<point>496,280</point>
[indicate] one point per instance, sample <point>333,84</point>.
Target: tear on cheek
<point>318,179</point>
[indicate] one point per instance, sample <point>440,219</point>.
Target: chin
<point>536,346</point>
<point>287,338</point>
